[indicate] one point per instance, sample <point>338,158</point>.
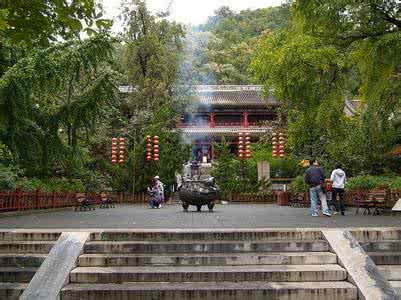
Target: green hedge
<point>365,182</point>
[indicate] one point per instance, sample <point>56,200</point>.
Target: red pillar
<point>246,124</point>
<point>211,120</point>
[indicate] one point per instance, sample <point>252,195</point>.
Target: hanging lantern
<point>241,146</point>
<point>148,148</point>
<point>114,150</point>
<point>155,148</point>
<point>282,155</point>
<point>122,150</point>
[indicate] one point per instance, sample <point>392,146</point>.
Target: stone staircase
<point>21,255</point>
<point>384,248</point>
<point>226,264</point>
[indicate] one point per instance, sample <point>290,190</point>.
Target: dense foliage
<point>220,51</point>
<point>331,52</point>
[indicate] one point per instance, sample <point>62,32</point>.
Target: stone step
<point>22,260</point>
<point>208,273</point>
<point>11,290</point>
<point>380,246</point>
<point>43,247</point>
<point>29,235</point>
<point>206,246</point>
<point>397,286</point>
<point>386,258</point>
<point>10,274</point>
<point>290,258</point>
<point>390,272</point>
<point>339,290</point>
<point>372,234</point>
<point>209,235</point>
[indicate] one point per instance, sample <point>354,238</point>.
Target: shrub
<point>395,184</point>
<point>298,185</point>
<point>8,178</point>
<point>367,182</point>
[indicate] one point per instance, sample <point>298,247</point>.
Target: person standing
<point>338,178</point>
<point>314,177</point>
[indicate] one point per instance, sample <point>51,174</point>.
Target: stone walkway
<point>171,216</point>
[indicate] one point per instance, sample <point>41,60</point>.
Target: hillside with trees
<point>220,51</point>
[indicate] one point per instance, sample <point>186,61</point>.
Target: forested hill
<point>222,48</point>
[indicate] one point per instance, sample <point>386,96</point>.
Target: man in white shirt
<point>338,178</point>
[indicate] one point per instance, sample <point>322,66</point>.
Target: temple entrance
<point>202,150</point>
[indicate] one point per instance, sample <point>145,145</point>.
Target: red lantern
<point>156,146</point>
<point>248,147</point>
<point>241,156</point>
<point>282,147</point>
<point>156,151</point>
<point>248,151</point>
<point>241,146</point>
<point>241,151</point>
<point>156,159</point>
<point>114,150</point>
<point>148,158</point>
<point>275,152</point>
<point>282,155</point>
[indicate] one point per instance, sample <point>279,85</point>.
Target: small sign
<point>397,206</point>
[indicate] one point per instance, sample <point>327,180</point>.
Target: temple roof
<point>226,131</point>
<point>226,95</point>
<point>232,96</point>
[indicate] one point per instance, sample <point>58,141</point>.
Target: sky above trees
<point>193,12</point>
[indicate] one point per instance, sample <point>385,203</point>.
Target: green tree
<point>54,94</point>
<point>331,52</point>
<point>38,22</point>
<point>222,48</point>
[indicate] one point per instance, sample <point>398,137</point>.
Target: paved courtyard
<point>172,216</point>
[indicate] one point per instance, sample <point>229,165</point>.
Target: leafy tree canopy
<point>38,22</point>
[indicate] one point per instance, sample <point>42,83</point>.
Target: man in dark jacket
<point>314,177</point>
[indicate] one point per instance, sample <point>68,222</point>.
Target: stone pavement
<point>172,216</point>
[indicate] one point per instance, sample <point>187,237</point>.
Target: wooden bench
<point>106,201</point>
<point>84,202</point>
<point>379,199</point>
<point>361,200</point>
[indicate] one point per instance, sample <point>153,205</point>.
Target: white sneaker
<point>327,214</point>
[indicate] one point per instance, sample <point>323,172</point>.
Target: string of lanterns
<point>241,152</point>
<point>118,150</point>
<point>278,142</point>
<point>152,148</point>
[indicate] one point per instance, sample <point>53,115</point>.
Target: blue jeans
<point>315,194</point>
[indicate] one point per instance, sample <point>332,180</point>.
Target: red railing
<point>19,200</point>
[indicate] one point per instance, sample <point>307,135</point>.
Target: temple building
<point>225,111</point>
